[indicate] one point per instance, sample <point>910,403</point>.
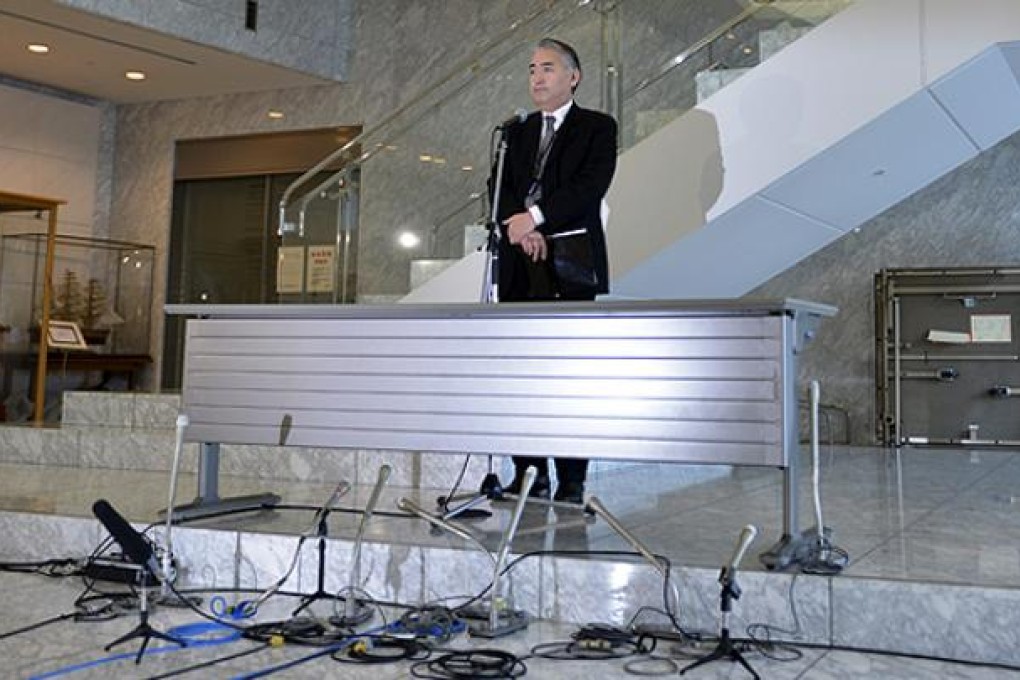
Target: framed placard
<point>65,335</point>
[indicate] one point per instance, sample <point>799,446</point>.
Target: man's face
<point>551,81</point>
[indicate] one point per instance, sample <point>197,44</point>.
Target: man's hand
<point>534,246</point>
<point>519,225</point>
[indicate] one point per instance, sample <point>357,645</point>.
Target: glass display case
<point>103,286</point>
<point>91,294</point>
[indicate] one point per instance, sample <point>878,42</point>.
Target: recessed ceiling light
<point>275,115</point>
<point>467,168</point>
<point>38,48</point>
<point>134,75</point>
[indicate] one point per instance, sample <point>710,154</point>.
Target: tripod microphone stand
<point>144,629</point>
<point>141,553</point>
<point>321,534</point>
<point>730,591</point>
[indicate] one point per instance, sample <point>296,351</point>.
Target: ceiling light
<point>275,115</point>
<point>134,75</point>
<point>408,239</point>
<point>425,158</point>
<point>467,168</point>
<point>38,48</point>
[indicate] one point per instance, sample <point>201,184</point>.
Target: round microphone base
<point>353,614</point>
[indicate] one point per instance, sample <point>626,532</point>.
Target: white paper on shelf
<point>948,337</point>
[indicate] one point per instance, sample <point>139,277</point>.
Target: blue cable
<point>104,660</point>
<point>192,634</point>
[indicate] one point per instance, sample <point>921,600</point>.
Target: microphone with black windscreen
<point>130,541</point>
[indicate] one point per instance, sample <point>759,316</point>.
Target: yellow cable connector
<point>276,641</point>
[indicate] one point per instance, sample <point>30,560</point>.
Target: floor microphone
<point>130,541</point>
<point>747,536</point>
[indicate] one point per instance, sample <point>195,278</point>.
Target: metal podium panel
<point>669,382</point>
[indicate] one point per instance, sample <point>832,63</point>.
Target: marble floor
<point>943,517</point>
<point>919,515</point>
<point>75,649</point>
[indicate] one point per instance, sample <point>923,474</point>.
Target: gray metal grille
<point>652,382</point>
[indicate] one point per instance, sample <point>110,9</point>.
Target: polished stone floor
<point>946,516</point>
<point>919,515</point>
<point>75,649</point>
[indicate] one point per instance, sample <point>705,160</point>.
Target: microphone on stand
<point>341,490</point>
<point>747,536</point>
<point>520,115</point>
<point>355,612</point>
<point>497,620</point>
<point>595,505</point>
<point>407,505</point>
<point>130,541</point>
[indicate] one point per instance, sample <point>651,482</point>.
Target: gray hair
<point>569,54</point>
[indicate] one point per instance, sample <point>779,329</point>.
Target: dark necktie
<point>548,132</point>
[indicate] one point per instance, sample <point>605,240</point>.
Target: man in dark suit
<point>559,163</point>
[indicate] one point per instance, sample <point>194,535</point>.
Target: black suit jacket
<point>577,175</point>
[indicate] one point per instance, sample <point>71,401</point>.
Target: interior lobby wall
<point>968,217</point>
<point>399,48</point>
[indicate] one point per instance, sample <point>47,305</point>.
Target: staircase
<point>805,147</point>
<point>811,144</point>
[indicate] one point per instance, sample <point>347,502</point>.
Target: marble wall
<point>968,217</point>
<point>53,145</point>
<point>400,48</point>
<point>312,36</point>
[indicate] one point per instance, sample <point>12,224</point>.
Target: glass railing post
<point>609,14</point>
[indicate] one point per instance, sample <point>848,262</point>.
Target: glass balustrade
<point>410,198</point>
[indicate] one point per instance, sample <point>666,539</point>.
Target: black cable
<point>37,625</point>
<point>371,650</point>
<point>908,655</point>
<point>595,642</point>
<point>430,621</point>
<point>210,663</point>
<point>456,484</point>
<point>476,664</point>
<point>765,644</point>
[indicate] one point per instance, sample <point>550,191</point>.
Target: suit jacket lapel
<point>563,134</point>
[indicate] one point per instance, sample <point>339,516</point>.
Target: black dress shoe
<point>570,492</point>
<point>540,489</point>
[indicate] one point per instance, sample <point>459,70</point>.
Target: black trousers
<point>568,470</point>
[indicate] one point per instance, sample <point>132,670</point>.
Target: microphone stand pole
<point>355,612</point>
<point>491,487</point>
<point>321,533</point>
<point>725,649</point>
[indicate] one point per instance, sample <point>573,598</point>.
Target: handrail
<point>696,47</point>
<point>469,63</point>
<point>665,70</point>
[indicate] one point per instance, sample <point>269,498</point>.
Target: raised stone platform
<point>932,535</point>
